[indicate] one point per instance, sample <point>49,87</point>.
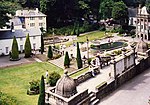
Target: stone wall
<point>124,77</point>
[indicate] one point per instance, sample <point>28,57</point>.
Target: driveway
<point>5,62</point>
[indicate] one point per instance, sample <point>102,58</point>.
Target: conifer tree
<point>27,48</point>
<point>41,100</point>
<point>67,60</point>
<point>42,44</point>
<point>15,52</point>
<point>50,52</point>
<point>79,60</point>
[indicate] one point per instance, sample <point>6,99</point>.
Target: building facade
<point>143,24</point>
<point>32,19</point>
<point>6,39</point>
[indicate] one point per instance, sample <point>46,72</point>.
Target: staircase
<point>93,99</point>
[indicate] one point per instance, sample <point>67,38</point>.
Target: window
<point>34,37</point>
<point>40,18</point>
<point>32,24</point>
<point>40,24</point>
<point>7,49</point>
<point>20,39</point>
<point>32,18</point>
<point>141,26</point>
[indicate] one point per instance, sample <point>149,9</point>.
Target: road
<point>134,92</point>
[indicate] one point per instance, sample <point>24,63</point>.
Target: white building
<point>143,24</point>
<point>6,39</point>
<point>31,19</point>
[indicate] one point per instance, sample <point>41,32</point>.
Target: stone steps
<point>93,99</point>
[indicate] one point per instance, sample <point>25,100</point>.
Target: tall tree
<point>67,60</point>
<point>50,52</point>
<point>106,9</point>
<point>27,48</point>
<point>120,13</point>
<point>79,60</point>
<point>148,5</point>
<point>15,52</point>
<point>41,100</point>
<point>42,41</point>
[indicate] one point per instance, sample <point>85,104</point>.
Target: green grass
<point>79,73</point>
<point>91,36</point>
<point>14,81</point>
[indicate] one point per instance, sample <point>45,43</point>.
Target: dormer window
<point>32,18</point>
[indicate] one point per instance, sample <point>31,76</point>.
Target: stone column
<point>125,60</point>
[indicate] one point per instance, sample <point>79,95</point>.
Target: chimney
<point>37,10</point>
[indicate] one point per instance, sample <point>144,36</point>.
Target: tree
<point>42,42</point>
<point>120,13</point>
<point>15,52</point>
<point>41,100</point>
<point>67,60</point>
<point>106,9</point>
<point>27,48</point>
<point>53,78</point>
<point>148,5</point>
<point>7,7</point>
<point>79,60</point>
<point>50,52</point>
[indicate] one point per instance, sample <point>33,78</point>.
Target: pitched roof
<point>29,13</point>
<point>132,12</point>
<point>9,34</point>
<point>16,21</point>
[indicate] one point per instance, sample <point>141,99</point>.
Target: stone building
<point>143,23</point>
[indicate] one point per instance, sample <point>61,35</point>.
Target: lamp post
<point>87,47</point>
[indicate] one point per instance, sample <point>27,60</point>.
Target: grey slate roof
<point>16,21</point>
<point>8,34</point>
<point>132,12</point>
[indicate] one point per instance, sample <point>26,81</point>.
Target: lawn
<point>91,36</point>
<point>14,81</point>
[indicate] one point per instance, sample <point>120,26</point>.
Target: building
<point>143,23</point>
<point>6,39</point>
<point>132,12</point>
<point>31,18</point>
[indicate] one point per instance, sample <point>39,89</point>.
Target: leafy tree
<point>106,9</point>
<point>7,7</point>
<point>67,60</point>
<point>50,52</point>
<point>41,100</point>
<point>53,78</point>
<point>120,13</point>
<point>27,48</point>
<point>79,60</point>
<point>148,5</point>
<point>15,52</point>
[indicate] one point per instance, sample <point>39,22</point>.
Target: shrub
<point>79,60</point>
<point>15,53</point>
<point>33,87</point>
<point>50,52</point>
<point>117,52</point>
<point>27,48</point>
<point>7,100</point>
<point>53,78</point>
<point>67,60</point>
